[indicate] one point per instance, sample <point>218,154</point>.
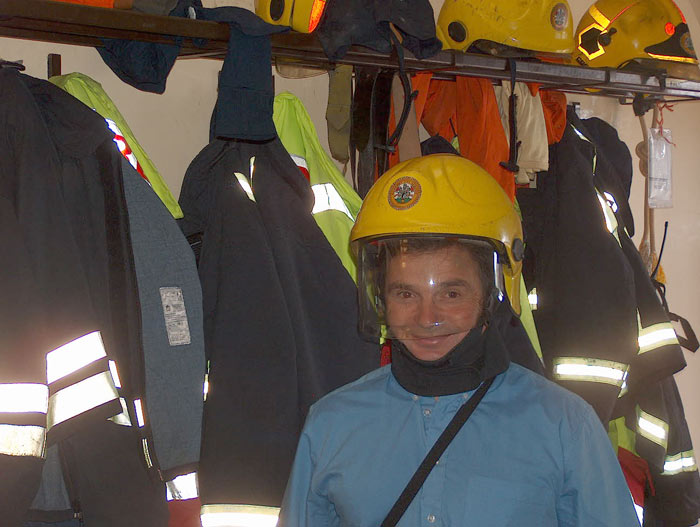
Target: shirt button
<point>431,518</point>
<point>415,397</point>
<point>427,412</point>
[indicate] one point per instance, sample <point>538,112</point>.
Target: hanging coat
<point>586,315</point>
<point>62,175</point>
<point>279,315</point>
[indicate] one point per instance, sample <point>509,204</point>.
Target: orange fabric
<point>94,3</point>
<point>481,135</point>
<point>467,108</point>
<point>554,107</point>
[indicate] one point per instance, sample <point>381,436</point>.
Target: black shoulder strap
<point>416,482</point>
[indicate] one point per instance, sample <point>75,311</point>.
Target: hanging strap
<point>416,482</point>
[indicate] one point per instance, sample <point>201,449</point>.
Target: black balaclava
<point>479,356</point>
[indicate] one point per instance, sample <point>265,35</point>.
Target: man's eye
<point>405,294</point>
<point>453,294</point>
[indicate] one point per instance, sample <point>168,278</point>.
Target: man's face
<point>433,299</point>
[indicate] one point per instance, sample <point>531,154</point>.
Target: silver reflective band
<point>123,418</point>
<point>24,397</point>
<point>653,428</point>
<point>80,397</point>
<point>532,299</point>
<point>640,513</point>
<point>681,462</point>
<point>146,453</point>
<point>182,487</point>
<point>610,220</point>
<point>206,386</point>
<point>74,355</point>
<point>592,370</point>
<point>245,185</point>
<point>139,413</point>
<point>115,374</point>
<point>655,336</point>
<point>239,516</point>
<point>327,198</point>
<point>300,161</point>
<point>22,440</point>
<point>611,201</point>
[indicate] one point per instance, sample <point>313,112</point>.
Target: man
<point>439,249</point>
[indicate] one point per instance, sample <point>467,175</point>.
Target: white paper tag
<point>175,316</point>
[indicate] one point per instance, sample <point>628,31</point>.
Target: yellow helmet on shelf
<point>535,25</point>
<point>613,33</point>
<point>443,195</point>
<point>301,15</point>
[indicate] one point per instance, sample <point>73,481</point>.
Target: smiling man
<point>439,251</point>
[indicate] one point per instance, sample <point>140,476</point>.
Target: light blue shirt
<point>532,455</point>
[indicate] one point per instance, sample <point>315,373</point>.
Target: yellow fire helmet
<point>613,33</point>
<point>301,15</point>
<point>535,25</point>
<point>429,203</point>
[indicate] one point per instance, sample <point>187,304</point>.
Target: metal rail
<point>65,23</point>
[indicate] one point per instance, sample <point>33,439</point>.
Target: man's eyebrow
<point>399,285</point>
<point>455,283</point>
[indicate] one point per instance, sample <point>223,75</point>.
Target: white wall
<point>174,127</point>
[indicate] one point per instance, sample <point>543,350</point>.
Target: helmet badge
<point>404,193</point>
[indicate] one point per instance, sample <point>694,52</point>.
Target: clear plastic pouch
<point>660,187</point>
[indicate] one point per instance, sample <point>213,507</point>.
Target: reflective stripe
<point>206,386</point>
<point>74,355</point>
<point>300,161</point>
<point>24,397</point>
<point>656,336</point>
<point>593,370</point>
<point>115,374</point>
<point>598,16</point>
<point>610,219</point>
<point>327,198</point>
<point>123,418</point>
<point>532,299</point>
<point>239,516</point>
<point>653,428</point>
<point>138,406</point>
<point>640,513</point>
<point>245,185</point>
<point>80,397</point>
<point>22,440</point>
<point>146,452</point>
<point>182,487</point>
<point>681,462</point>
<point>611,201</point>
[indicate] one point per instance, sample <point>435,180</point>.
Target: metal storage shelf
<point>64,23</point>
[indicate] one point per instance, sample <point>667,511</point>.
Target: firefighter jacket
<point>93,95</point>
<point>586,305</point>
<point>336,204</point>
<point>279,318</point>
<point>60,180</point>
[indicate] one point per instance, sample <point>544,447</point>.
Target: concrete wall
<point>173,128</point>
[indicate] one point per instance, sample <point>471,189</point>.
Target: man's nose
<point>428,314</point>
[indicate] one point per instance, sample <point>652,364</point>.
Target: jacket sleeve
<point>303,505</point>
<point>594,492</point>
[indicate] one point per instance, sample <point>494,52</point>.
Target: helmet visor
<point>423,287</point>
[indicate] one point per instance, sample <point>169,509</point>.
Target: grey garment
<point>52,495</point>
<point>338,111</point>
<point>171,319</point>
<point>154,7</point>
